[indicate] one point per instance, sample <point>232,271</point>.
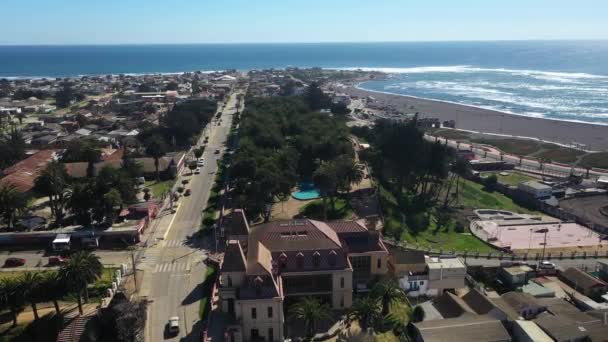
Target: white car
<point>197,171</point>
<point>200,163</point>
<point>174,325</point>
<point>547,265</point>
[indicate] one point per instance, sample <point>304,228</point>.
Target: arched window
<point>300,260</point>
<point>316,259</point>
<point>283,261</point>
<point>332,258</point>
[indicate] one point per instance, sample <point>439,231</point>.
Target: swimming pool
<point>306,191</point>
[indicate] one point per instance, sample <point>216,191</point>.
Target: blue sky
<point>232,21</point>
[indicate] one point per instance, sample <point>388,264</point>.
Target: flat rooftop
<point>530,236</point>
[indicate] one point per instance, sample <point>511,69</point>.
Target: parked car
<point>57,260</point>
<point>188,192</point>
<point>200,163</point>
<point>14,262</point>
<point>547,265</point>
<point>173,325</point>
<point>197,171</point>
<point>216,152</point>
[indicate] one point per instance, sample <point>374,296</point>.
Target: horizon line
<point>313,42</point>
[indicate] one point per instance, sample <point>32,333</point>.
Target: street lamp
<point>543,231</point>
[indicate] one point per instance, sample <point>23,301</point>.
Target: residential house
<point>462,329</point>
<point>584,282</point>
<point>409,267</point>
<point>283,261</point>
<point>516,275</point>
<point>519,305</point>
<point>23,174</point>
<point>445,273</point>
<point>422,275</point>
<point>536,190</point>
<point>528,331</point>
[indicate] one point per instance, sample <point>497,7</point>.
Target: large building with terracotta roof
<point>268,267</point>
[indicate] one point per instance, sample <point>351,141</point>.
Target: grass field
<point>599,160</point>
<point>451,134</point>
<point>559,154</point>
<point>431,234</point>
<point>314,210</point>
<point>158,188</point>
<point>513,178</point>
<point>473,196</point>
<point>511,146</point>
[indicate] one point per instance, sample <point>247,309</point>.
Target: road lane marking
<point>179,205</point>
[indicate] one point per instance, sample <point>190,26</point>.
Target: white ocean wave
<point>565,77</point>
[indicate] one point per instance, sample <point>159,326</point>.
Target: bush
<point>185,181</point>
<point>490,182</point>
<point>180,189</point>
<point>418,314</point>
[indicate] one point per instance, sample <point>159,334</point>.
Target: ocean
<point>564,80</point>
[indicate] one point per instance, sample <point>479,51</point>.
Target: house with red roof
<point>23,174</point>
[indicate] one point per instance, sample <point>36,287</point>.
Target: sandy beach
<point>595,137</point>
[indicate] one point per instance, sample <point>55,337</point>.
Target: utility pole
<point>134,269</point>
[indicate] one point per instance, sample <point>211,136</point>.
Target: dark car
<point>187,192</point>
<point>57,260</point>
<point>14,262</point>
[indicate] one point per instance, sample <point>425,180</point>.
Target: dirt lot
<point>588,208</point>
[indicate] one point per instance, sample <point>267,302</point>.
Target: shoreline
<point>470,118</point>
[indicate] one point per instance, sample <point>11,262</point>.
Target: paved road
<point>36,260</point>
<point>173,265</point>
<point>526,164</point>
<point>589,263</point>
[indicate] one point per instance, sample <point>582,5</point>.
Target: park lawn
<point>314,210</point>
<point>473,196</point>
<point>519,147</point>
<point>159,188</point>
<point>451,134</point>
<point>598,160</point>
<point>559,154</point>
<point>446,237</point>
<point>514,178</point>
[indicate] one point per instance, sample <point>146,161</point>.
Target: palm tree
<point>53,288</point>
<point>81,270</point>
<point>53,182</point>
<point>11,202</point>
<point>366,310</point>
<point>310,310</point>
<point>11,296</point>
<point>349,172</point>
<point>326,180</point>
<point>388,292</point>
<point>156,148</point>
<point>32,289</point>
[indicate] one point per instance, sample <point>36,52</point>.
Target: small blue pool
<point>306,191</point>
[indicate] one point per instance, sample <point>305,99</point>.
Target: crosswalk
<point>172,267</point>
<point>173,243</point>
